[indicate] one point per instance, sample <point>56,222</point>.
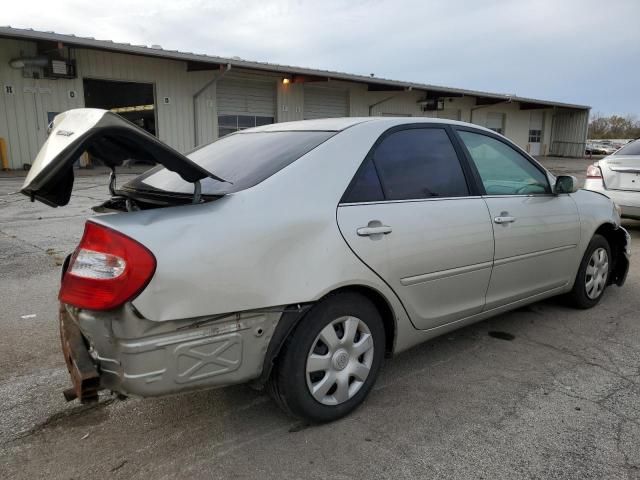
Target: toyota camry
<point>297,256</point>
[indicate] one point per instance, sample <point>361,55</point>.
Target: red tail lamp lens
<point>106,270</point>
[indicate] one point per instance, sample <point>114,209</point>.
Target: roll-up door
<point>495,122</point>
<point>325,102</point>
<point>244,103</point>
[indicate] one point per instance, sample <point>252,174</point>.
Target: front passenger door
<point>536,232</point>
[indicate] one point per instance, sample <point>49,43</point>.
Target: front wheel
<point>593,274</point>
<point>330,362</point>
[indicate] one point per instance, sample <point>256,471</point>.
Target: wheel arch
<point>294,314</point>
<point>617,238</point>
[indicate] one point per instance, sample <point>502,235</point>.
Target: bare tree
<point>615,126</point>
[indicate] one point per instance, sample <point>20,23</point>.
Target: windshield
<point>243,159</point>
<point>632,148</point>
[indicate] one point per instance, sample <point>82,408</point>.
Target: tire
<point>340,384</point>
<point>585,295</point>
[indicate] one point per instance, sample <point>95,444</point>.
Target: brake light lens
<point>593,171</point>
<point>106,270</point>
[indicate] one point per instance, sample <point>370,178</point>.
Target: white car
<point>618,177</point>
<point>298,255</point>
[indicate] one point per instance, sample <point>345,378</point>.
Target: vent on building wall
<point>431,104</point>
<point>48,67</point>
<point>60,69</point>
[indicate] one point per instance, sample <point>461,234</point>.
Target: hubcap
<point>339,360</point>
<point>597,273</point>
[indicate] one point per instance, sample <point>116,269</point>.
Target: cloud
<point>581,51</point>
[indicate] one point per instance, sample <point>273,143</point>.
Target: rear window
<point>243,159</point>
<point>632,148</point>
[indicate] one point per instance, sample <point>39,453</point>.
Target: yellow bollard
<point>3,154</point>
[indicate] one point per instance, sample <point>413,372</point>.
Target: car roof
<point>342,123</point>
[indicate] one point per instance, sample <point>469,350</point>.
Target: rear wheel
<point>593,274</point>
<point>330,362</point>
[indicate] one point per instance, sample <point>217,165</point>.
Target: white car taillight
<point>98,265</point>
<point>593,171</point>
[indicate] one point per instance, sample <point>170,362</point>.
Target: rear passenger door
<point>536,232</point>
<point>412,215</point>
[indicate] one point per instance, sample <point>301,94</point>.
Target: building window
<point>535,136</point>
<point>232,123</point>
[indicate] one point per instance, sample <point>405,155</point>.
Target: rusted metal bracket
<point>81,367</point>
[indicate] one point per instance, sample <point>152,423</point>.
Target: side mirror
<point>565,184</point>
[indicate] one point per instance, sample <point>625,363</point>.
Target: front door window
<point>502,169</point>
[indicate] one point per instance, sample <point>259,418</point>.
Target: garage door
<point>495,122</point>
<point>323,102</point>
<point>244,103</point>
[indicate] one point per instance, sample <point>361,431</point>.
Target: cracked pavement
<point>559,400</point>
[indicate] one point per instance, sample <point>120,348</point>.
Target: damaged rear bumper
<point>130,355</point>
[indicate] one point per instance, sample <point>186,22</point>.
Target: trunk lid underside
<point>105,136</point>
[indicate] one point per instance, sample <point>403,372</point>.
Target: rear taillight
<point>107,269</point>
<point>593,171</point>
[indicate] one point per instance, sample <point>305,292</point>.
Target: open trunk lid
<point>621,172</point>
<point>107,137</point>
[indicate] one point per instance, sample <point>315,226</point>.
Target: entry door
<point>409,216</point>
<point>536,233</point>
<point>535,132</point>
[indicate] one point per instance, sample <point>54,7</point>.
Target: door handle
<point>504,219</point>
<point>368,231</point>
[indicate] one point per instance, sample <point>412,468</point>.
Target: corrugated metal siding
<point>23,115</point>
<point>240,95</point>
<point>206,112</point>
<point>170,79</point>
<point>449,113</point>
<point>569,133</point>
<point>325,102</point>
<point>395,103</point>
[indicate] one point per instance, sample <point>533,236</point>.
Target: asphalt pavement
<point>542,392</point>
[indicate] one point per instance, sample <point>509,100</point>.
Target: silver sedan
<point>297,256</point>
<point>618,177</point>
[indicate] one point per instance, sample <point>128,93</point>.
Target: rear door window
<point>419,163</point>
<point>366,186</point>
<point>414,163</point>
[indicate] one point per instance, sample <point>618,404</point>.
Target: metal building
<point>189,99</point>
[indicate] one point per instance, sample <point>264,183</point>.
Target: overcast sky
<point>578,51</point>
